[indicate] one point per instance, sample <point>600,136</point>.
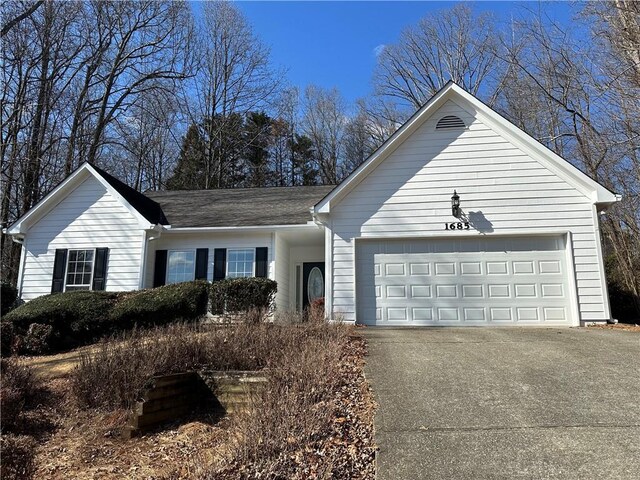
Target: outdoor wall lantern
<point>455,205</point>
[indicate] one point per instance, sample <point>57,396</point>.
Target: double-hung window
<point>79,270</point>
<point>241,263</point>
<point>181,266</point>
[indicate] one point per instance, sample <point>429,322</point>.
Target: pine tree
<point>257,132</point>
<point>305,172</point>
<point>190,170</point>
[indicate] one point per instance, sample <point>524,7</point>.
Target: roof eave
<point>324,205</point>
<point>242,228</point>
<point>21,225</point>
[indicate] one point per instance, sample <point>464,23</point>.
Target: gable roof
<point>142,203</point>
<point>115,187</point>
<point>239,207</point>
<point>597,193</point>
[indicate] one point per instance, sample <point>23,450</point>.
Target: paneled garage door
<point>487,281</point>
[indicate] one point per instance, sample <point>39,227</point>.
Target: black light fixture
<point>455,204</point>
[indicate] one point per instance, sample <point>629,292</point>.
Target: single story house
<point>459,218</point>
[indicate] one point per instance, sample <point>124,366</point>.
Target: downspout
<point>23,257</point>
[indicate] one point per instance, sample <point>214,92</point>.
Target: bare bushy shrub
<point>114,375</point>
<point>18,452</point>
<point>295,411</point>
<point>17,390</point>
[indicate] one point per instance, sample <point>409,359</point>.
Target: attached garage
<point>460,218</point>
<point>464,281</point>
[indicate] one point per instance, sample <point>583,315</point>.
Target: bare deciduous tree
<point>324,123</point>
<point>235,77</point>
<point>450,45</point>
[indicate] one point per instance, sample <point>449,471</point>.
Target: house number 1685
<point>457,226</point>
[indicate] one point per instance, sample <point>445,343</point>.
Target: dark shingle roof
<point>142,203</point>
<point>239,207</point>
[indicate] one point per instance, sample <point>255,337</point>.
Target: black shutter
<point>202,259</point>
<point>160,269</point>
<point>261,261</point>
<point>219,264</point>
<point>59,267</point>
<point>100,269</point>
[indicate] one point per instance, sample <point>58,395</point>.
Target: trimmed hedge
<point>160,306</point>
<point>8,297</point>
<point>62,321</point>
<point>236,295</point>
<point>76,318</point>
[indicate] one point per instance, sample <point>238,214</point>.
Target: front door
<point>312,282</point>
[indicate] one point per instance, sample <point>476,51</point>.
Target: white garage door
<point>487,281</point>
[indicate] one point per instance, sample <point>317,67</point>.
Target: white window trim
<point>253,264</point>
<point>169,252</point>
<point>66,267</point>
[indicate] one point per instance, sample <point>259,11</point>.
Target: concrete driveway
<point>508,403</point>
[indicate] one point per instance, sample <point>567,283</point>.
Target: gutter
<point>248,228</point>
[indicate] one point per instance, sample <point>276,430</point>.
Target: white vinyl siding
<point>502,189</point>
<point>88,218</point>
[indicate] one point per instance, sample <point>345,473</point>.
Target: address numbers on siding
<point>457,226</point>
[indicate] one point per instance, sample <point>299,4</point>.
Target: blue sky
<point>333,43</point>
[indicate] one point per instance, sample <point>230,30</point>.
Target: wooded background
<point>165,99</point>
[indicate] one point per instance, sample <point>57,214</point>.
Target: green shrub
<point>160,306</point>
<point>242,295</point>
<point>8,297</point>
<point>76,318</point>
<point>61,321</point>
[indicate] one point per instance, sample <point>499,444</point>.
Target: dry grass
<point>114,373</point>
<point>313,421</point>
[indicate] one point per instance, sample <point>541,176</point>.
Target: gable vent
<point>450,121</point>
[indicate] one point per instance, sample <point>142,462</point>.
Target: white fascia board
<point>418,118</point>
<point>65,187</point>
<point>45,204</point>
<point>564,169</point>
<point>144,223</point>
<point>243,229</point>
<point>588,187</point>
